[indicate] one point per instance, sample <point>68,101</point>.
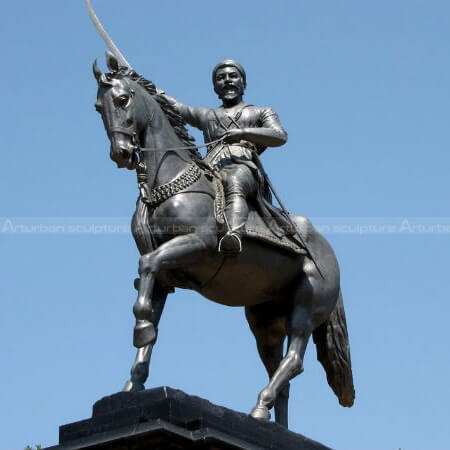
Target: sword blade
<point>108,41</point>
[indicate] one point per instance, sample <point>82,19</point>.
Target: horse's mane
<point>175,120</point>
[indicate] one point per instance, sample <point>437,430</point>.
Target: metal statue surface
<point>241,132</point>
<point>275,265</point>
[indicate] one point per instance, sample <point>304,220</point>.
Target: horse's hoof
<point>260,412</point>
<point>133,387</point>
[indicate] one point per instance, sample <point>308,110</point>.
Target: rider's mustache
<point>230,86</point>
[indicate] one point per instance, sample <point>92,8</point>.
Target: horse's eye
<point>122,100</point>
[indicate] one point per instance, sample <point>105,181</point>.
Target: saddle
<point>256,227</point>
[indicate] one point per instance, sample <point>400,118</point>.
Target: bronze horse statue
<point>175,226</point>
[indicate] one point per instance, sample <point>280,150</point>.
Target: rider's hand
<point>232,136</point>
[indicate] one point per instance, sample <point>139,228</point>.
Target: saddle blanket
<point>256,228</point>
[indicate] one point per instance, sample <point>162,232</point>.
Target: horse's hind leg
<point>146,330</point>
<point>290,366</point>
<point>299,331</point>
<point>268,323</point>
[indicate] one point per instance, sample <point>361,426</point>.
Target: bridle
<point>132,133</point>
<point>131,130</point>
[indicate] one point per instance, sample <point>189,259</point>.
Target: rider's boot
<point>236,211</point>
<point>231,243</point>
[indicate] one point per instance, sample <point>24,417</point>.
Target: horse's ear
<point>112,62</point>
<point>97,71</point>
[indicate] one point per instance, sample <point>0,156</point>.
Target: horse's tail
<point>333,352</point>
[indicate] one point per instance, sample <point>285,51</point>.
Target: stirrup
<point>230,243</point>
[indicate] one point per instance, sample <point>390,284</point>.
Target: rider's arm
<point>268,133</point>
<point>193,115</point>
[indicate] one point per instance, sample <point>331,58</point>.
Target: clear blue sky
<point>362,88</point>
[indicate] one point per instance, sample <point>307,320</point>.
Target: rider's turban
<point>232,63</point>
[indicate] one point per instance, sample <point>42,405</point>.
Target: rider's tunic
<point>216,122</point>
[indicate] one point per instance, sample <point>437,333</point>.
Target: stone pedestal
<point>165,419</point>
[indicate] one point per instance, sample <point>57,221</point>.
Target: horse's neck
<point>163,165</point>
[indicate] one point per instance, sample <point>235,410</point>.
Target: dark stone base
<point>165,418</point>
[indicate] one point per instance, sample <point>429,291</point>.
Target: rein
<point>190,175</point>
<point>189,147</point>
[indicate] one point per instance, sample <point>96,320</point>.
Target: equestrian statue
<point>208,224</point>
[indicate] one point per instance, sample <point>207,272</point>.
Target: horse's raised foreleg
<point>147,310</point>
<point>179,252</point>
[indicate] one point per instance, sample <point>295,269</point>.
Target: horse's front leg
<point>179,252</point>
<point>147,310</point>
<point>187,230</point>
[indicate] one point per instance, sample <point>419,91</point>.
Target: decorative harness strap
<point>187,178</point>
<point>163,192</point>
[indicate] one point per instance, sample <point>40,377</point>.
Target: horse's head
<point>121,110</point>
<point>135,115</point>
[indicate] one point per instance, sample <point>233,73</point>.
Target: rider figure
<point>247,129</point>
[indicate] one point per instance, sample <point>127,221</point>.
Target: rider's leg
<point>239,184</point>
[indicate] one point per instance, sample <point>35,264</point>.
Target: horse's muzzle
<point>124,155</point>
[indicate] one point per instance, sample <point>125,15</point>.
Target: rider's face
<point>229,84</point>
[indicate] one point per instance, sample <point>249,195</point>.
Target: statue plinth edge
<point>167,418</point>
